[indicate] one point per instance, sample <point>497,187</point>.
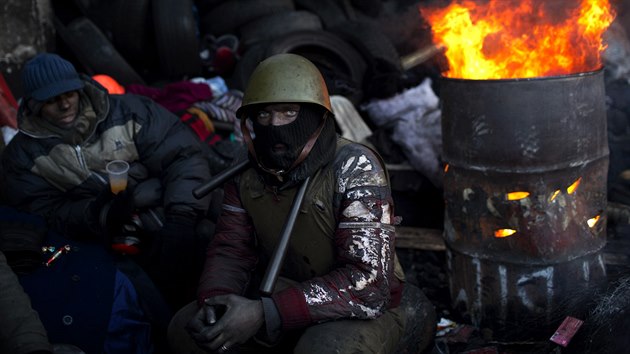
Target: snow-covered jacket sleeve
<point>361,285</point>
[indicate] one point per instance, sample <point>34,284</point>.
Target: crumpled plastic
<point>415,121</point>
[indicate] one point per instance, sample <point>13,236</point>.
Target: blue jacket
<point>81,297</point>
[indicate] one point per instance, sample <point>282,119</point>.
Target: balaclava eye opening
<point>295,135</point>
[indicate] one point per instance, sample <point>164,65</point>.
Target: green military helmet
<point>285,78</point>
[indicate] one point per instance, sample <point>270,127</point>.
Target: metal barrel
<point>525,198</point>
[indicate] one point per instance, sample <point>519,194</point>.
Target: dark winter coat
<point>21,330</point>
<point>46,176</point>
<point>342,250</point>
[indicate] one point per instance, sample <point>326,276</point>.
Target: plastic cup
<point>117,172</point>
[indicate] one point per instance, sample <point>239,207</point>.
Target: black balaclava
<point>295,135</point>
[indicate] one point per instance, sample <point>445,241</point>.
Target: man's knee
<point>380,335</point>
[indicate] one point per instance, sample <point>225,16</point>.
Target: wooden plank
<point>616,259</point>
<point>419,238</point>
<point>618,213</point>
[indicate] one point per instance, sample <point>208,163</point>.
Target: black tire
<point>278,24</point>
<point>99,12</point>
<point>341,64</point>
<point>132,30</point>
<point>228,16</point>
<point>371,8</point>
<point>329,11</point>
<point>203,6</point>
<point>246,65</point>
<point>370,40</point>
<point>95,52</point>
<point>384,75</point>
<point>176,38</point>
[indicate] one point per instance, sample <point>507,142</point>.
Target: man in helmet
<point>340,284</point>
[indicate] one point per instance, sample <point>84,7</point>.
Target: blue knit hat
<point>48,75</point>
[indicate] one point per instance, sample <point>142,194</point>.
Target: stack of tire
<point>135,41</point>
<point>144,41</point>
<point>348,46</point>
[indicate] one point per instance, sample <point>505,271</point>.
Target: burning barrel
<point>525,192</point>
<point>525,143</point>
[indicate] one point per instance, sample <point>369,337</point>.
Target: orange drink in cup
<point>117,172</point>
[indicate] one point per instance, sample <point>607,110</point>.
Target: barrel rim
<point>538,78</point>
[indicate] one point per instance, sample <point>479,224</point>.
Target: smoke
<point>556,11</point>
<point>605,329</point>
<point>617,54</point>
<point>548,12</point>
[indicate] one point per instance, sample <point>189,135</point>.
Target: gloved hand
<point>201,323</point>
<point>240,322</point>
<point>111,211</point>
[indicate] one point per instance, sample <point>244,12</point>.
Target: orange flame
<point>593,221</point>
<point>517,195</point>
<point>573,187</point>
<point>500,233</point>
<point>499,39</point>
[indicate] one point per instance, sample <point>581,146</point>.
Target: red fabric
<point>200,129</point>
<point>8,105</point>
<point>215,138</point>
<point>6,92</point>
<point>196,124</point>
<point>231,255</point>
<point>112,86</point>
<point>224,60</point>
<point>396,293</point>
<point>294,312</point>
<point>176,96</point>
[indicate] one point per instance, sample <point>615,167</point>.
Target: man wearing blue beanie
<point>48,75</point>
<point>70,128</point>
